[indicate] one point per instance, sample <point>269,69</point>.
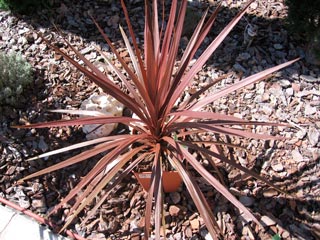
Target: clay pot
<point>171,180</point>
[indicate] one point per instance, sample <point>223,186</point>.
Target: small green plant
<point>304,16</point>
<point>23,6</point>
<point>4,5</point>
<point>276,237</point>
<point>304,20</point>
<point>15,75</point>
<point>164,130</point>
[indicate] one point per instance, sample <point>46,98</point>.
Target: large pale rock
<point>105,104</point>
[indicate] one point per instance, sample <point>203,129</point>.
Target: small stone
<point>24,203</point>
<point>289,91</point>
<point>315,154</point>
<point>248,95</point>
<point>254,6</point>
<point>239,68</point>
<point>188,232</point>
<point>265,97</point>
<point>313,136</point>
<point>42,144</point>
<point>22,40</point>
<point>270,193</point>
<point>114,20</point>
<point>267,221</point>
<point>301,134</point>
<point>285,83</point>
<point>243,56</point>
<point>23,31</point>
<point>309,79</point>
<point>277,167</point>
<point>285,234</point>
<point>246,201</point>
<point>296,87</point>
<point>174,210</point>
<point>278,46</point>
<point>195,224</point>
<point>309,110</point>
<point>175,197</point>
<point>39,204</point>
<point>11,170</point>
<point>246,231</point>
<point>86,50</point>
<point>296,155</point>
<point>267,110</point>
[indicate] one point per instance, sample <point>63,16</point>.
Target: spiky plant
<point>152,88</point>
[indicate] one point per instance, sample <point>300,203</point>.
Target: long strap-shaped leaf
<point>232,163</point>
<point>118,148</point>
<point>193,46</point>
<point>78,145</point>
<point>150,59</point>
<point>106,176</point>
<point>173,51</point>
<point>216,184</point>
<point>245,82</point>
<point>167,61</point>
<point>123,78</point>
<point>167,38</point>
<point>158,192</point>
<point>101,80</point>
<point>154,186</point>
<point>187,78</point>
<point>76,159</point>
<point>193,188</point>
<point>224,130</point>
<point>212,180</point>
<point>82,121</point>
<point>197,95</point>
<point>133,77</point>
<point>93,194</point>
<point>125,172</point>
<point>134,41</point>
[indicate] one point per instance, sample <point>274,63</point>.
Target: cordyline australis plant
<point>152,87</point>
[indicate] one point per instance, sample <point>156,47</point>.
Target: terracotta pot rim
<point>169,185</point>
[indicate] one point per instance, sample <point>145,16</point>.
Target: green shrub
<point>304,20</point>
<point>15,75</point>
<point>3,5</point>
<point>304,16</point>
<point>23,6</point>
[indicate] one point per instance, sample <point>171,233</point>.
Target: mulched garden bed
<point>291,95</point>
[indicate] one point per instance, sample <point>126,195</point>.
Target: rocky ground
<point>291,96</point>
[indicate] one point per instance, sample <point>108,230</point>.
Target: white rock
<point>289,91</point>
<point>296,155</point>
<point>309,110</point>
<point>105,104</point>
<point>267,221</point>
<point>277,167</point>
<point>313,136</point>
<point>301,134</point>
